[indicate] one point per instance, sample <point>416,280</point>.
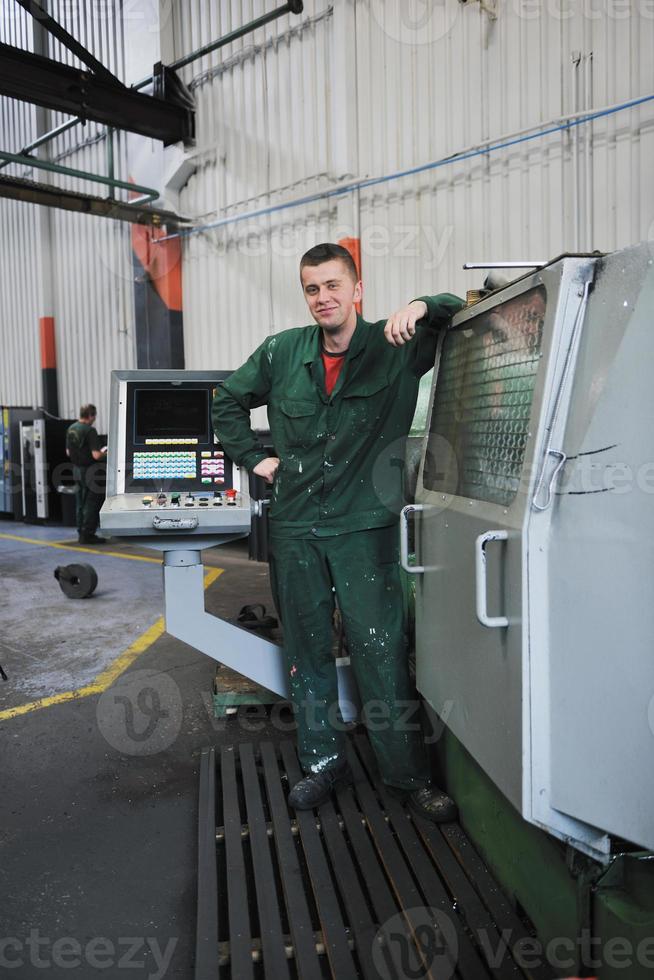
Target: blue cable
<point>397,175</point>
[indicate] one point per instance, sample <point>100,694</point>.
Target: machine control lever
<point>174,523</point>
<point>258,506</point>
<point>492,622</point>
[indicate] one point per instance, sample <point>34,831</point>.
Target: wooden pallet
<point>357,889</point>
<point>232,691</point>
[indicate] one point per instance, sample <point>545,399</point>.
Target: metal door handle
<point>492,622</point>
<point>404,539</point>
<point>174,523</point>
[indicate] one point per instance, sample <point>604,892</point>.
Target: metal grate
<point>482,402</point>
<point>359,889</point>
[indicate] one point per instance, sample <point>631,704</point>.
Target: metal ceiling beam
<point>292,7</point>
<point>49,24</point>
<point>32,78</point>
<point>54,197</point>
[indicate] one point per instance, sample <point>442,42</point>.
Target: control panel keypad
<point>164,466</point>
<point>212,467</point>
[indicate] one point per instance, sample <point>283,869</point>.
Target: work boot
<point>433,804</point>
<point>316,788</point>
<point>91,539</point>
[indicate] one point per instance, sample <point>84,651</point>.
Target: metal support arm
<point>238,649</point>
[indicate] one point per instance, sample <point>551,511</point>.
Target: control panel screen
<point>170,413</point>
<point>170,444</point>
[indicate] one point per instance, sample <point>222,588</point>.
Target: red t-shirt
<point>333,364</point>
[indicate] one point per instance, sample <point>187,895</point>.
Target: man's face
<point>331,293</point>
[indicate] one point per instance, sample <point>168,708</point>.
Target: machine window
<point>482,402</point>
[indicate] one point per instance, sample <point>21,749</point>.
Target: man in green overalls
<point>339,394</point>
<point>87,456</point>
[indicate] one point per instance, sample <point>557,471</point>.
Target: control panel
<point>169,441</point>
<point>167,473</point>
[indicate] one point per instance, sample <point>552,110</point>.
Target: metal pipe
<point>135,201</point>
<point>253,25</point>
<point>45,138</point>
<point>149,193</point>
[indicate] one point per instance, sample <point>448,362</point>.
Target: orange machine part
<point>48,345</point>
<point>353,245</point>
<point>163,263</point>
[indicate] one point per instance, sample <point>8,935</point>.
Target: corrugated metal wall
<point>374,86</point>
<point>351,89</point>
<point>74,267</point>
<point>19,279</point>
<point>254,99</point>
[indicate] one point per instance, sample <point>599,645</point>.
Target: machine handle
<point>404,539</point>
<point>492,622</point>
<point>174,523</point>
<point>257,506</point>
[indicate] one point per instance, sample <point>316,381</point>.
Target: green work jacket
<point>341,456</point>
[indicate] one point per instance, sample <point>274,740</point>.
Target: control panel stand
<point>259,659</point>
<point>188,620</point>
<point>171,487</point>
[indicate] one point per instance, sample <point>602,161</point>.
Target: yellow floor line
<point>76,547</point>
<point>111,673</point>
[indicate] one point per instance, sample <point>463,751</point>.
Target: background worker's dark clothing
<point>90,475</point>
<point>336,499</point>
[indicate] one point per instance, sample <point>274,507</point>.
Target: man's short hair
<point>325,253</point>
<point>86,411</point>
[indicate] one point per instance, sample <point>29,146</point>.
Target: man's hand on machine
<point>267,468</point>
<point>401,326</point>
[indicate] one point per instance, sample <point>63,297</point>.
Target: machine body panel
<point>601,558</point>
<point>534,619</point>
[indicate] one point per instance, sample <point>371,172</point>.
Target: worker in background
<point>90,472</point>
<point>338,394</point>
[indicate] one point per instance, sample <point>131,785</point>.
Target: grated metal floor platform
<point>360,889</point>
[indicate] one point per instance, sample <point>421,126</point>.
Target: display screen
<point>171,414</point>
<point>482,402</point>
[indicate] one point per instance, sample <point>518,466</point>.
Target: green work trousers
<point>89,497</point>
<point>360,571</point>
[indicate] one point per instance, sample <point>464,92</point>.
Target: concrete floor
<point>98,807</point>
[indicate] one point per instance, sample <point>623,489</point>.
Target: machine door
<point>472,490</point>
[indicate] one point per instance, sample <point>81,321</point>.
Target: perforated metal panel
<point>482,402</point>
